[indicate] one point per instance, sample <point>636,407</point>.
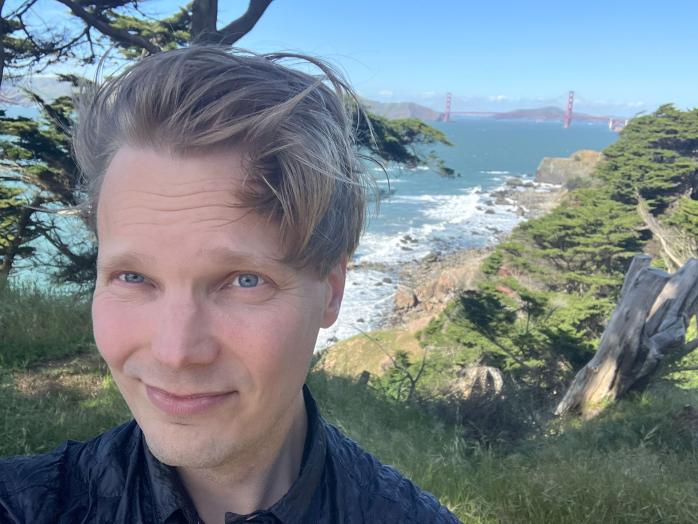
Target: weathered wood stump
<point>648,325</point>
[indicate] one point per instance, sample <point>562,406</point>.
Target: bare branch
<point>204,15</point>
<point>236,29</point>
<point>101,25</point>
<point>2,42</point>
<point>22,8</point>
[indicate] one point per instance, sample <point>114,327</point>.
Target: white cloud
<point>385,92</point>
<point>497,98</point>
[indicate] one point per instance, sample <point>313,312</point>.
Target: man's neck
<point>257,480</point>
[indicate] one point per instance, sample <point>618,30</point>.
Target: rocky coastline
<point>425,287</point>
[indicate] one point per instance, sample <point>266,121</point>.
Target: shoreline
<point>426,286</point>
<point>409,293</point>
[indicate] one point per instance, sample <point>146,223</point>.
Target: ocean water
<point>426,212</point>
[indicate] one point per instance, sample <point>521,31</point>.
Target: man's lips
<point>187,404</point>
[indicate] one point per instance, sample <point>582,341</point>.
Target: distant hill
<point>394,110</point>
<point>554,114</point>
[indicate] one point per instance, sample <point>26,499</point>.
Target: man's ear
<point>335,291</point>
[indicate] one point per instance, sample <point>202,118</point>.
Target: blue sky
<point>622,54</point>
<point>620,57</point>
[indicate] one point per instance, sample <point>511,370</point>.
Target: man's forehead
<point>150,197</point>
<point>147,181</point>
<point>133,167</point>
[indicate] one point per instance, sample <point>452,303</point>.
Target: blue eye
<point>131,278</point>
<point>247,280</point>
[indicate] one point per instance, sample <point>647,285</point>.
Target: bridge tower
<point>568,114</point>
<point>447,110</point>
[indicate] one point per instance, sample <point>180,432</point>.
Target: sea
<point>422,212</point>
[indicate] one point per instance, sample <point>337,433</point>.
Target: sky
<point>620,57</point>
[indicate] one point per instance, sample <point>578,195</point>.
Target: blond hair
<point>302,166</point>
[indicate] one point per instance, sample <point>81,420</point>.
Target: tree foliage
<point>33,44</point>
<point>656,157</point>
<point>40,175</point>
<point>548,291</point>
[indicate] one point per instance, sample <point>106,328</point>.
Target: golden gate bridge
<point>614,123</point>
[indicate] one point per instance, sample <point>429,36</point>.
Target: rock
<point>379,283</point>
<point>431,258</point>
<point>490,212</point>
<point>557,170</point>
<point>405,248</point>
<point>360,320</point>
<point>425,293</point>
<point>387,280</point>
<point>489,203</point>
<point>405,298</point>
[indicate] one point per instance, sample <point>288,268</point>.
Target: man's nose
<point>183,335</point>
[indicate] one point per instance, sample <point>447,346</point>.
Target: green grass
<point>36,325</point>
<point>634,463</point>
<point>72,399</point>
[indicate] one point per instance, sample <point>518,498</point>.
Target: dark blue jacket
<point>115,479</point>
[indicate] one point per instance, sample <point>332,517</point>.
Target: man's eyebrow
<point>127,259</point>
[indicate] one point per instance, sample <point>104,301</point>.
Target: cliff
<point>556,170</point>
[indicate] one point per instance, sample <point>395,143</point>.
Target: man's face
<point>208,336</point>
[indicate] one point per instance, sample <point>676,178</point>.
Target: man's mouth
<point>190,404</point>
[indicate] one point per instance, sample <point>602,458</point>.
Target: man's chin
<point>186,446</point>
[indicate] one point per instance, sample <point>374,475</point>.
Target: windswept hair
<point>294,129</point>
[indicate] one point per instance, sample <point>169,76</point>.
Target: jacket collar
<point>173,504</point>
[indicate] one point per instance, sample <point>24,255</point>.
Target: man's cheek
<point>116,329</point>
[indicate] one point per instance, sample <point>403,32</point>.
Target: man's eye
<point>131,278</point>
<point>247,280</point>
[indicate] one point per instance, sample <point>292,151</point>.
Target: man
<point>226,196</point>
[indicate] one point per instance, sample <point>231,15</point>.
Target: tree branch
<point>101,25</point>
<point>204,15</point>
<point>236,29</point>
<point>2,42</point>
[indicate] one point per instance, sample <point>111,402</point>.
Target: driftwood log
<point>648,326</point>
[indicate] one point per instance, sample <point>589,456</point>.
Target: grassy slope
<point>636,463</point>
